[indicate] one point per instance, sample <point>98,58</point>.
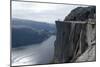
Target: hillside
<point>26,32</point>
<point>33,24</point>
<point>81,14</point>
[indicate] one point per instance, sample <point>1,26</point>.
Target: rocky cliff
<point>81,14</point>
<point>74,38</point>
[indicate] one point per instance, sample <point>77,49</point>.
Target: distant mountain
<point>26,32</point>
<point>33,24</point>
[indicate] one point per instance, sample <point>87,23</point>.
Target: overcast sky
<point>41,11</point>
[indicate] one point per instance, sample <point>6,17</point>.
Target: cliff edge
<point>76,35</point>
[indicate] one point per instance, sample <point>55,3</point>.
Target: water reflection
<point>34,54</point>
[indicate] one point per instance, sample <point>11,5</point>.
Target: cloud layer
<point>40,11</point>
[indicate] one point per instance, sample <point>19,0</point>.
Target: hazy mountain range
<point>27,32</point>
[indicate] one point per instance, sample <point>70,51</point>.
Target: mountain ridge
<point>26,32</point>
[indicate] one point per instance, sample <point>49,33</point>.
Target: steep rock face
<point>90,52</point>
<point>88,55</point>
<point>68,39</point>
<point>73,39</point>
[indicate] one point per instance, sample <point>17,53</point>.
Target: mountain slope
<point>81,14</point>
<point>26,32</point>
<point>33,24</point>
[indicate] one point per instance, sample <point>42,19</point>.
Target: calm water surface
<point>34,54</point>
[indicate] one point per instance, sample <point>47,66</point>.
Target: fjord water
<point>34,54</point>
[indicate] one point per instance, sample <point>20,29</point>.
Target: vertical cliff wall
<point>75,35</point>
<point>73,39</point>
<point>90,52</point>
<point>70,41</point>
